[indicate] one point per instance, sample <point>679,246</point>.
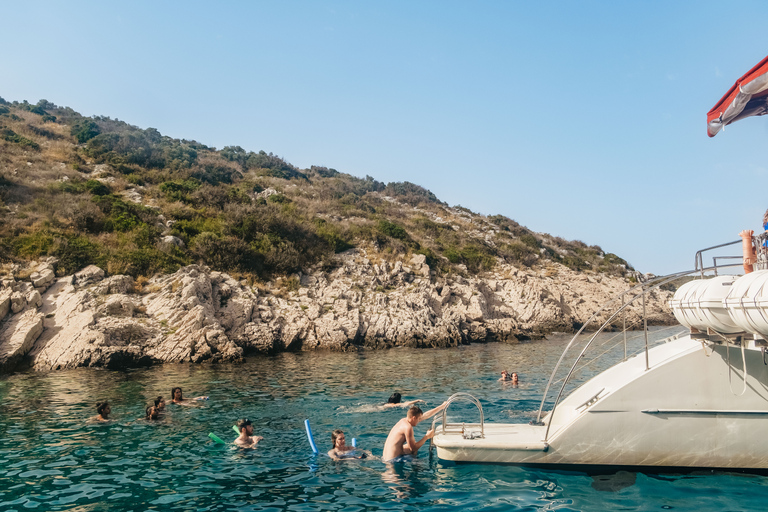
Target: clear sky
<point>586,120</point>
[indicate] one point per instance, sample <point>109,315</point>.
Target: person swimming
<point>160,404</point>
<point>505,376</point>
<point>395,401</point>
<point>340,449</point>
<point>103,409</point>
<point>246,438</point>
<point>177,397</point>
<point>151,413</point>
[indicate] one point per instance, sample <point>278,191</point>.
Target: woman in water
<point>103,410</point>
<point>160,404</point>
<point>340,449</point>
<point>178,398</point>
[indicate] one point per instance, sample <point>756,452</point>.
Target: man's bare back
<point>401,440</point>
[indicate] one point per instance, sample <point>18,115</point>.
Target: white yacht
<point>697,398</point>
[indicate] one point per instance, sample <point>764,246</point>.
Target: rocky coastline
<point>198,315</point>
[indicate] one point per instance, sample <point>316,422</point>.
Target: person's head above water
<point>414,412</point>
<point>151,412</point>
<point>338,438</point>
<point>395,398</point>
<point>159,403</point>
<point>176,394</point>
<point>244,424</point>
<point>103,409</point>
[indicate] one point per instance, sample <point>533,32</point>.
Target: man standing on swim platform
<point>401,441</point>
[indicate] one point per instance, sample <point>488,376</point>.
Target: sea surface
<point>53,458</point>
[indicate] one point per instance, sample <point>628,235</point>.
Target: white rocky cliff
<point>198,315</point>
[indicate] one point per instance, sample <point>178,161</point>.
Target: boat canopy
<point>747,97</point>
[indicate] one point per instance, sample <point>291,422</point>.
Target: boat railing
<point>620,323</point>
<point>452,428</point>
<point>699,265</point>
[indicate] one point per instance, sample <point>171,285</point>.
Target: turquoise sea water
<point>51,458</point>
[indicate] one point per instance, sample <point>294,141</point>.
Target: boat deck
<point>503,442</point>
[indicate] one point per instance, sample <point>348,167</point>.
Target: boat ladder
<point>465,429</point>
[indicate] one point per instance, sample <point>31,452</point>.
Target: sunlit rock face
<point>198,315</point>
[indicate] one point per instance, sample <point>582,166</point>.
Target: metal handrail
<point>699,265</point>
<point>465,397</point>
<point>637,292</point>
<point>454,397</point>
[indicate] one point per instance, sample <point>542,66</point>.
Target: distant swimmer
<point>340,449</point>
<point>505,376</point>
<point>151,413</point>
<point>246,439</point>
<point>515,379</point>
<point>178,398</point>
<point>401,441</point>
<point>160,404</point>
<point>103,409</point>
<point>394,401</point>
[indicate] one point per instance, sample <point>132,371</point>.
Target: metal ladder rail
<point>453,398</point>
<point>651,285</point>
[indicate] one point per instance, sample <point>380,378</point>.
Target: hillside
<point>132,201</point>
<point>121,247</point>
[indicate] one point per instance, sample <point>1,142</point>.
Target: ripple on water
<point>52,459</point>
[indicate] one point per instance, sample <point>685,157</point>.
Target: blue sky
<point>585,120</point>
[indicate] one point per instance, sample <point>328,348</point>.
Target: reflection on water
<point>52,459</point>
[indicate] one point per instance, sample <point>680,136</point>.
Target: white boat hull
<point>690,408</point>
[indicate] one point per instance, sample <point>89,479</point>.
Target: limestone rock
<point>198,315</point>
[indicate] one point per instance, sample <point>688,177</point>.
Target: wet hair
<point>334,435</point>
<point>158,400</point>
<point>415,410</point>
<point>243,423</point>
<point>149,410</point>
<point>394,399</point>
<point>101,406</point>
<point>173,393</point>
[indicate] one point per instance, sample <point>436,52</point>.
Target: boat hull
<point>688,408</point>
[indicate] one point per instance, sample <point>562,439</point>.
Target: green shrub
<point>33,245</point>
<point>11,136</point>
<point>84,130</point>
<point>410,193</point>
<point>179,190</point>
<point>97,188</point>
<point>74,253</point>
<point>530,241</point>
<point>392,230</point>
<point>226,253</point>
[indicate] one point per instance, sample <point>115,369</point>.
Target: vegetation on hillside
<point>131,200</point>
